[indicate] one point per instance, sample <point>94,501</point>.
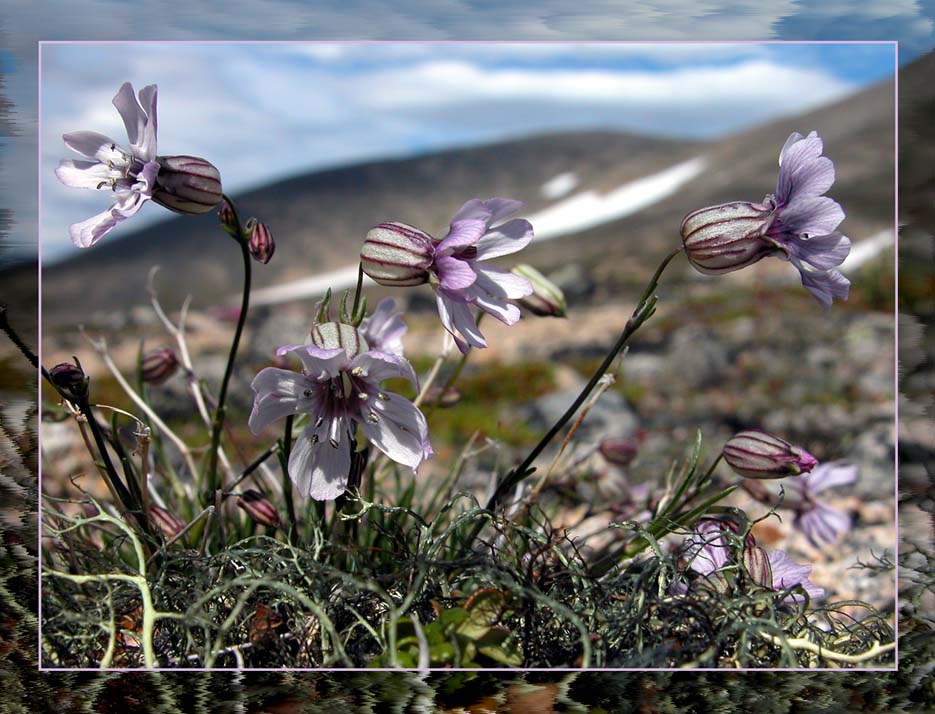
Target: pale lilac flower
<point>129,173</point>
<point>707,548</point>
<point>384,328</point>
<point>798,224</point>
<point>462,281</point>
<point>817,520</point>
<point>786,573</point>
<point>339,388</point>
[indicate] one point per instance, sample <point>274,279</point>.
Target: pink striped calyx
<point>397,255</point>
<point>756,454</point>
<point>728,237</point>
<point>187,184</point>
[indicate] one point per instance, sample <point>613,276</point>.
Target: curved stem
<point>644,309</point>
<point>218,424</point>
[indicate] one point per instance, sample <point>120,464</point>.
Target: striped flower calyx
<point>757,454</point>
<point>724,238</point>
<point>397,255</point>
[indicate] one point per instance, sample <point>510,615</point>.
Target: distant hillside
<point>319,219</point>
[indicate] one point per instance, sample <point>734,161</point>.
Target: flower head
<point>798,223</point>
<point>134,175</point>
<point>546,299</point>
<point>397,254</point>
<point>339,388</point>
<point>757,454</point>
<point>817,520</point>
<point>158,365</point>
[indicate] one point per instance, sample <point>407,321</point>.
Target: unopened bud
<point>158,365</point>
<point>187,184</point>
<point>721,239</point>
<point>259,508</point>
<point>228,218</point>
<point>70,379</point>
<point>618,451</point>
<point>756,564</point>
<point>332,335</point>
<point>397,255</point>
<point>547,299</point>
<point>169,524</point>
<point>261,243</point>
<point>756,454</point>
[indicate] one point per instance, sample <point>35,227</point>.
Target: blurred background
<point>608,146</point>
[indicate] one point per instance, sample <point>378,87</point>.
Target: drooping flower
<point>158,365</point>
<point>816,519</point>
<point>339,388</point>
<point>397,254</point>
<point>757,454</point>
<point>185,184</point>
<point>546,299</point>
<point>798,223</point>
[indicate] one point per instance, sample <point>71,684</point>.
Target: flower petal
<point>95,146</point>
<point>814,215</point>
<point>787,574</point>
<point>319,470</point>
<point>501,283</point>
<point>821,252</point>
<point>377,366</point>
<point>828,475</point>
<point>453,274</point>
<point>400,430</point>
<point>319,364</point>
<point>457,318</point>
<point>505,239</point>
<point>88,232</point>
<point>461,234</point>
<point>822,523</point>
<point>278,392</point>
<point>475,209</point>
<point>86,174</point>
<point>824,285</point>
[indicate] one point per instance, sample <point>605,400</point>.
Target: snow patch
<point>560,185</point>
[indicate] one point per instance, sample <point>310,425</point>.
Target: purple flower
<point>129,173</point>
<point>798,224</point>
<point>384,328</point>
<point>786,573</point>
<point>707,548</point>
<point>817,520</point>
<point>339,388</point>
<point>462,281</point>
<point>397,254</point>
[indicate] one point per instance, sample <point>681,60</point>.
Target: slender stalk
<point>641,313</point>
<point>219,412</point>
<point>358,291</point>
<point>15,338</point>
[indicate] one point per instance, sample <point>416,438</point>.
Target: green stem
<point>359,290</point>
<point>641,313</point>
<point>219,412</point>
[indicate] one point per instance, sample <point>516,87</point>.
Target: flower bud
<point>228,218</point>
<point>395,254</point>
<point>158,365</point>
<point>261,243</point>
<point>70,379</point>
<point>332,335</point>
<point>756,454</point>
<point>187,184</point>
<point>547,299</point>
<point>721,239</point>
<point>169,524</point>
<point>618,451</point>
<point>756,564</point>
<point>259,508</point>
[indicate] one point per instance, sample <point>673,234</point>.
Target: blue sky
<point>261,112</point>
